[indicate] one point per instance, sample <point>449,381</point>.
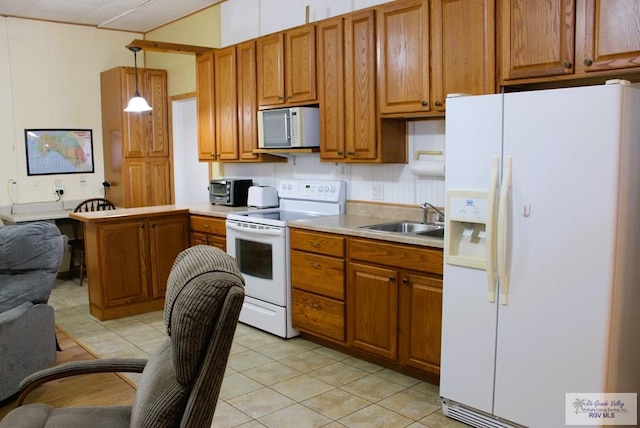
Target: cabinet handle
<point>340,152</point>
<point>405,281</point>
<point>392,278</point>
<point>424,104</point>
<point>587,62</point>
<point>314,244</point>
<point>206,226</point>
<point>438,104</point>
<point>566,64</point>
<point>153,225</point>
<point>314,305</point>
<point>280,97</point>
<point>314,265</point>
<point>350,153</point>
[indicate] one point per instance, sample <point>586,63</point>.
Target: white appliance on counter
<point>259,241</point>
<point>541,290</point>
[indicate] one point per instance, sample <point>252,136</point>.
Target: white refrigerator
<point>542,255</point>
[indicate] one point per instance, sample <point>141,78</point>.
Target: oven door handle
<point>273,232</point>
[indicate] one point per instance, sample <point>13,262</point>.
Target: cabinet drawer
<point>318,274</point>
<point>408,256</point>
<point>318,315</point>
<point>208,225</point>
<point>317,242</point>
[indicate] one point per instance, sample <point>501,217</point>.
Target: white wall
<point>246,19</point>
<point>50,78</point>
<point>399,185</point>
<point>190,176</point>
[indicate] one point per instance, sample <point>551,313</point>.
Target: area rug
<point>101,389</point>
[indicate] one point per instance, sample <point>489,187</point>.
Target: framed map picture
<point>59,151</point>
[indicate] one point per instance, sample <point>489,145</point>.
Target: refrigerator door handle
<point>490,241</point>
<point>502,230</point>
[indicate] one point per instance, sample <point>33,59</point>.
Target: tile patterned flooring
<point>269,381</point>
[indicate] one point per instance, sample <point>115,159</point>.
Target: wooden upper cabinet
<point>300,68</point>
<point>133,138</point>
<point>205,110</point>
<point>148,133</point>
<point>155,92</point>
<point>361,139</point>
<point>463,48</point>
<point>226,104</point>
<point>247,100</point>
<point>331,88</point>
<point>403,49</point>
<point>608,35</point>
<point>270,51</point>
<point>287,67</point>
<point>537,38</point>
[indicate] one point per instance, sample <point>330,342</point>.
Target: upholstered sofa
<point>30,256</point>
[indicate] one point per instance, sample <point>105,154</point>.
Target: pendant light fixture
<point>137,103</point>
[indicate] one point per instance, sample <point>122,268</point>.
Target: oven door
<point>261,254</point>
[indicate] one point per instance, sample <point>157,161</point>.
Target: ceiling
<point>138,16</point>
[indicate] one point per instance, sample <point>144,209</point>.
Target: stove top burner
<point>279,215</point>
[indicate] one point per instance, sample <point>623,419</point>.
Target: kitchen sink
<point>409,228</point>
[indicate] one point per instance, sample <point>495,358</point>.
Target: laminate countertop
<point>348,224</point>
<point>343,224</point>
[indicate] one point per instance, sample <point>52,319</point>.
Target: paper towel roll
<point>427,168</point>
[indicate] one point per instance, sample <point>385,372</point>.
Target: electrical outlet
<point>58,187</point>
<point>377,192</point>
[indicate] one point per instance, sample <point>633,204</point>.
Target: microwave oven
<point>289,128</point>
<point>229,191</point>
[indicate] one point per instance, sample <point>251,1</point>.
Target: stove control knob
<point>333,189</point>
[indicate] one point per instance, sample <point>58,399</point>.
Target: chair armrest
<point>74,368</point>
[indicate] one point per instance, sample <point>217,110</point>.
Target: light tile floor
<point>269,381</point>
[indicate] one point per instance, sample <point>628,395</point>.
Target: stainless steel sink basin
<point>409,228</point>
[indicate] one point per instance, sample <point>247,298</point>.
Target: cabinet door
<point>159,183</point>
<point>300,68</point>
<point>403,46</point>
<point>167,238</point>
<point>537,38</point>
<point>361,138</point>
<point>331,88</point>
<point>204,100</point>
<point>373,309</point>
<point>608,35</point>
<point>156,125</point>
<point>247,100</point>
<point>420,322</point>
<point>270,50</point>
<point>463,48</point>
<point>136,189</point>
<point>135,124</point>
<point>123,257</point>
<point>226,104</point>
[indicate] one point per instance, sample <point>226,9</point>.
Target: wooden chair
<point>77,243</point>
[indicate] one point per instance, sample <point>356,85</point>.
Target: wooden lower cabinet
<point>373,309</point>
<point>128,262</point>
<point>394,303</point>
<point>207,230</point>
<point>318,284</point>
<point>377,300</point>
<point>420,321</point>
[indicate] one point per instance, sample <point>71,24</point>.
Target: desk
<point>39,211</point>
<point>57,212</point>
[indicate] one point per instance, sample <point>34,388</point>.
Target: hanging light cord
<point>135,67</point>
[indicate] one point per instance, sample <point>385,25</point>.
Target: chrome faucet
<point>431,214</point>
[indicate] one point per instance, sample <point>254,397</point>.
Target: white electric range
<point>259,241</point>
